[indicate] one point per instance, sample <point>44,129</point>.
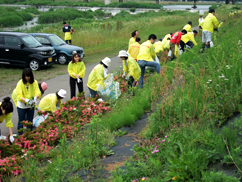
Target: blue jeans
<point>93,93</point>
<point>143,64</point>
<point>24,114</point>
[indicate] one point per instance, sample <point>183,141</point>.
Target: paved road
<point>54,85</point>
<point>184,7</point>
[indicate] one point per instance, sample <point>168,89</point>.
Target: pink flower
<point>165,136</point>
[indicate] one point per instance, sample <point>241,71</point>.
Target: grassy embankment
<point>102,38</point>
<point>184,141</point>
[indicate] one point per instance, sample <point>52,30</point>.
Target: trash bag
<point>211,44</point>
<point>39,119</point>
<point>111,91</point>
<point>176,52</point>
<point>152,69</point>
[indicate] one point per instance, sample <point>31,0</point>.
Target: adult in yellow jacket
<point>159,46</point>
<point>134,35</point>
<point>76,70</point>
<point>51,101</point>
<point>188,39</point>
<point>188,27</point>
<point>208,26</point>
<point>146,56</point>
<point>6,109</point>
<point>131,68</point>
<point>231,14</point>
<point>42,87</point>
<point>134,49</point>
<point>27,91</point>
<point>97,76</point>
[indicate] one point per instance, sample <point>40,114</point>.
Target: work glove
<point>35,100</point>
<point>127,77</point>
<point>26,100</point>
<point>31,102</point>
<point>123,75</point>
<point>11,139</point>
<point>79,80</point>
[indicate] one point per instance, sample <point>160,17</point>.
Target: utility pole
<point>120,1</point>
<point>157,2</point>
<point>226,1</point>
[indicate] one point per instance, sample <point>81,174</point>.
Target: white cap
<point>123,54</point>
<point>62,93</point>
<point>106,61</point>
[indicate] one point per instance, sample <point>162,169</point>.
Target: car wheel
<point>62,59</point>
<point>34,65</point>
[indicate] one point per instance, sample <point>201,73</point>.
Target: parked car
<point>21,49</point>
<point>63,51</point>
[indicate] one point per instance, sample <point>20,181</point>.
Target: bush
<point>132,9</point>
<point>24,15</point>
<point>32,10</point>
<point>10,21</point>
<point>213,7</point>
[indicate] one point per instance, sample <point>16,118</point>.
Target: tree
<point>157,2</point>
<point>226,1</point>
<point>120,1</point>
<point>85,1</point>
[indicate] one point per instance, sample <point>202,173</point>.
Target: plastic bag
<point>169,53</point>
<point>211,44</point>
<point>111,91</point>
<point>39,119</point>
<point>152,69</point>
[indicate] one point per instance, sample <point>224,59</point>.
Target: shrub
<point>11,21</point>
<point>32,10</point>
<point>132,9</point>
<point>213,7</point>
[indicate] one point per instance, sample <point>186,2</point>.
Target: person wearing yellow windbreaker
<point>68,30</point>
<point>131,69</point>
<point>146,56</point>
<point>231,14</point>
<point>159,46</point>
<point>188,27</point>
<point>166,42</point>
<point>50,102</point>
<point>188,39</point>
<point>27,91</point>
<point>134,35</point>
<point>239,11</point>
<point>42,88</point>
<point>98,75</point>
<point>6,109</point>
<point>200,21</point>
<point>76,70</point>
<point>208,26</point>
<point>134,49</point>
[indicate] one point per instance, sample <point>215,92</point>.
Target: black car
<point>63,51</point>
<point>21,49</point>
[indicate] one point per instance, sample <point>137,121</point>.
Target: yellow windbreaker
<point>165,38</point>
<point>189,36</point>
<point>7,118</point>
<point>188,28</point>
<point>134,50</point>
<point>78,68</point>
<point>48,103</point>
<point>147,52</point>
<point>200,22</point>
<point>159,46</point>
<point>131,41</point>
<point>14,97</point>
<point>133,68</point>
<point>209,23</point>
<point>96,77</point>
<point>22,92</point>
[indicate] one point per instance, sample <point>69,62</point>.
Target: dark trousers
<point>67,41</point>
<point>182,44</point>
<point>93,93</point>
<point>173,48</point>
<point>73,83</point>
<point>24,114</point>
<point>131,82</point>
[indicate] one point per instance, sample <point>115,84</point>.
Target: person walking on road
<point>131,69</point>
<point>50,102</point>
<point>208,26</point>
<point>146,56</point>
<point>175,40</point>
<point>134,49</point>
<point>188,27</point>
<point>97,76</point>
<point>6,109</point>
<point>134,35</point>
<point>76,70</point>
<point>68,30</point>
<point>27,91</point>
<point>188,39</point>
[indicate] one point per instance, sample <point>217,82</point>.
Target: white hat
<point>106,61</point>
<point>123,54</point>
<point>62,93</point>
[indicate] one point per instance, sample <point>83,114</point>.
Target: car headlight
<point>43,53</point>
<point>53,51</point>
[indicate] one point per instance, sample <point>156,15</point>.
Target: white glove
<point>31,102</point>
<point>26,100</point>
<point>123,75</point>
<point>11,139</point>
<point>35,100</point>
<point>79,80</point>
<point>127,77</point>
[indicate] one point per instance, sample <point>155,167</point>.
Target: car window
<point>31,41</point>
<point>1,40</point>
<point>42,40</point>
<point>12,41</point>
<point>56,40</point>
